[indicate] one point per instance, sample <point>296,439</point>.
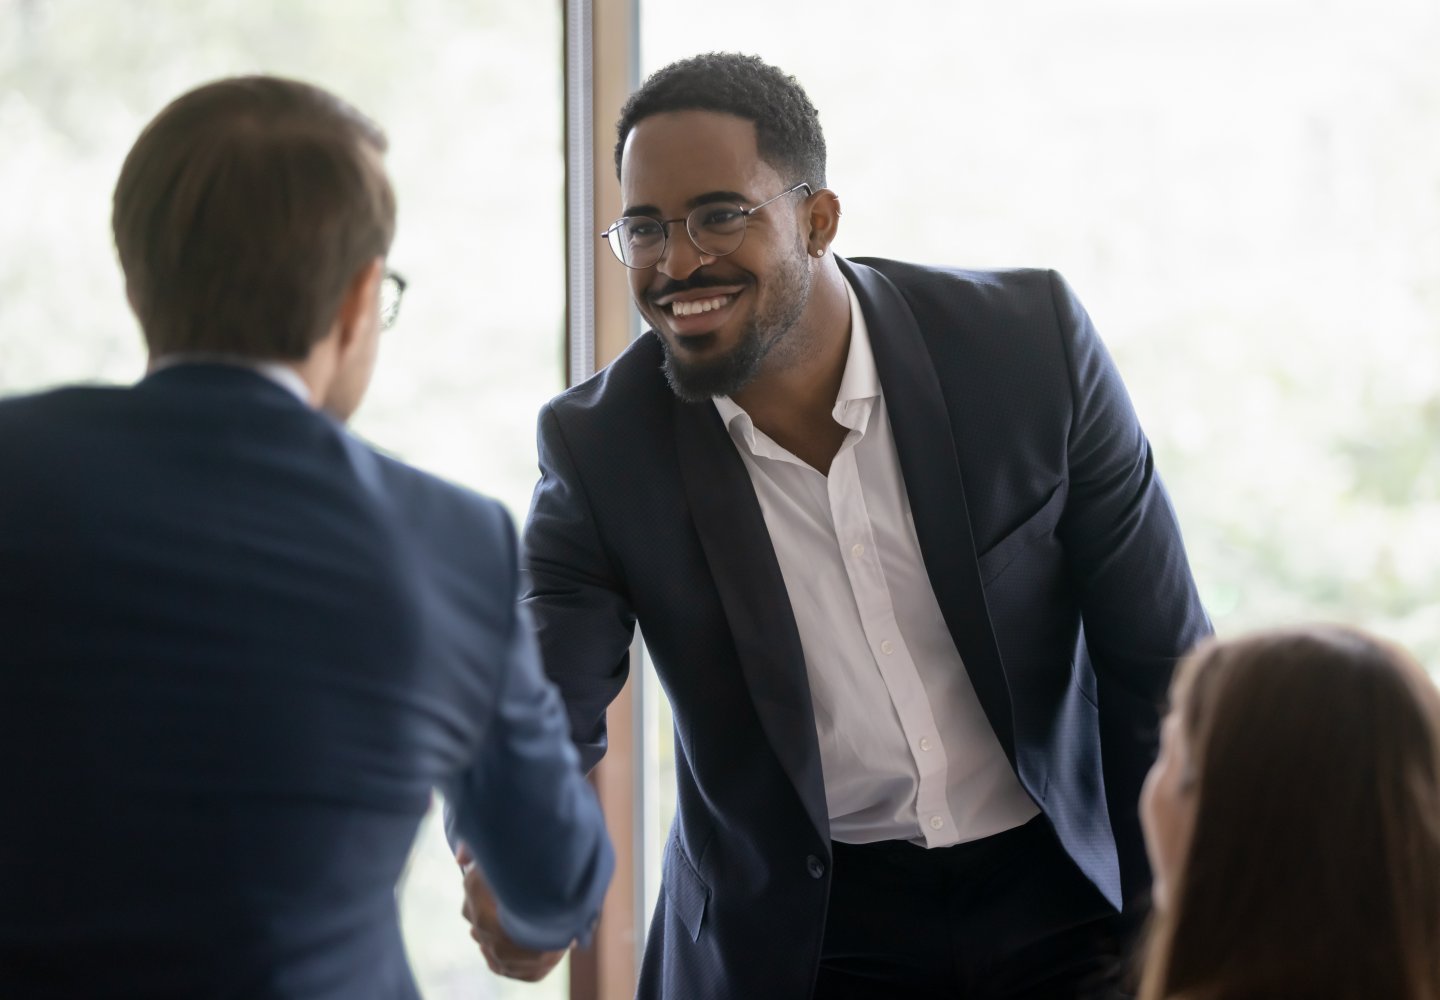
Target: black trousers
<point>1008,917</point>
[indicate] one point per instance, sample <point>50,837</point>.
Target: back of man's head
<point>243,212</point>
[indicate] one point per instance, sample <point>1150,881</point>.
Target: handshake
<point>502,954</point>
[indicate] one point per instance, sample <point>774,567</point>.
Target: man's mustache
<point>696,280</point>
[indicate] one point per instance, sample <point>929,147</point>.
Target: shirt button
<point>814,866</point>
<point>936,822</point>
<point>887,647</point>
<point>924,743</point>
<point>857,550</point>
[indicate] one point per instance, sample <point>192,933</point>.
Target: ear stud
<point>820,252</point>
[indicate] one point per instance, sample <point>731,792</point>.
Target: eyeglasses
<point>392,289</point>
<point>716,228</point>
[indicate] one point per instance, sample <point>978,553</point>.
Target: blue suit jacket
<point>238,648</point>
<point>1047,537</point>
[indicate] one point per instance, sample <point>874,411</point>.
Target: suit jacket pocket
<point>685,891</point>
<point>999,556</point>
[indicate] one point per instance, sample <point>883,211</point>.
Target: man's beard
<point>764,332</point>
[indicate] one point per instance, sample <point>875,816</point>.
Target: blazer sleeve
<point>1138,600</point>
<point>571,587</point>
<point>524,808</point>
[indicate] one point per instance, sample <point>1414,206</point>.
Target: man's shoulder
<point>629,393</point>
<point>1009,311</point>
<point>57,399</point>
<point>980,284</point>
<point>43,421</point>
<point>421,496</point>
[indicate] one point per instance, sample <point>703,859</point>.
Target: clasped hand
<point>502,955</point>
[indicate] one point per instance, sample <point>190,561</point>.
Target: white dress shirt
<point>905,747</point>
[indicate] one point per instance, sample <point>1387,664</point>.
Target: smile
<point>698,306</point>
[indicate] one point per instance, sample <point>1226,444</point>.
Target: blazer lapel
<point>747,576</point>
<point>929,462</point>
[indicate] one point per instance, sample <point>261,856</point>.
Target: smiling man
<point>899,552</point>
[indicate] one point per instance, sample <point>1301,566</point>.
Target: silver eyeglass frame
<point>665,225</point>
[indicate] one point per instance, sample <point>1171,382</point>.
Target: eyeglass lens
<point>716,229</point>
<point>389,301</point>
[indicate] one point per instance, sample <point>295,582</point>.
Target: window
<point>470,96</point>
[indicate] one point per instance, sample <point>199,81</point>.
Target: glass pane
<point>470,96</point>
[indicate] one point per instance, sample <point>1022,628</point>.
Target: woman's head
<point>1293,821</point>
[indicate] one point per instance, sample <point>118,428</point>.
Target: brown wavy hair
<point>1313,869</point>
<point>243,212</point>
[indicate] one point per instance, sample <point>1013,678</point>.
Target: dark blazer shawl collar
<point>747,575</point>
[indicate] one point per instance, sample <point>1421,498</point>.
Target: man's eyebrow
<point>708,198</point>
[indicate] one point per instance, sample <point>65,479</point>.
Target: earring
<point>820,252</point>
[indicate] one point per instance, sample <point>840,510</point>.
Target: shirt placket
<point>856,538</point>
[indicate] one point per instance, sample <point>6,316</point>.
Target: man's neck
<point>286,374</point>
<point>793,404</point>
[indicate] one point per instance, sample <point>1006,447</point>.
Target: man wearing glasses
<point>239,647</point>
<point>898,550</point>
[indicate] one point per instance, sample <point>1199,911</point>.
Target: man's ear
<point>357,305</point>
<point>823,218</point>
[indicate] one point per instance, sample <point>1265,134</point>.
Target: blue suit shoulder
<point>38,427</point>
<point>51,403</point>
<point>422,497</point>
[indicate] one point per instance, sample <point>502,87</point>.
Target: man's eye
<point>643,230</point>
<point>722,217</point>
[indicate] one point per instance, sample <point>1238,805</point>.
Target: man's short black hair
<point>787,127</point>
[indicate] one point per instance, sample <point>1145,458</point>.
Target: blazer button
<point>814,866</point>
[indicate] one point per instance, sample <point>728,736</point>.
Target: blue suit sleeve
<point>526,812</point>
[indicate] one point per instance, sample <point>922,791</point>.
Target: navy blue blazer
<point>1048,539</point>
<point>238,648</point>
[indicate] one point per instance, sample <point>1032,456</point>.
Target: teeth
<point>698,306</point>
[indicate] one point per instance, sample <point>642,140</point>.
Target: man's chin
<point>697,382</point>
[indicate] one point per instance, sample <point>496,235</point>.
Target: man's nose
<point>680,257</point>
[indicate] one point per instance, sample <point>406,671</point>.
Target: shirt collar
<point>861,381</point>
<point>276,371</point>
<point>859,384</point>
